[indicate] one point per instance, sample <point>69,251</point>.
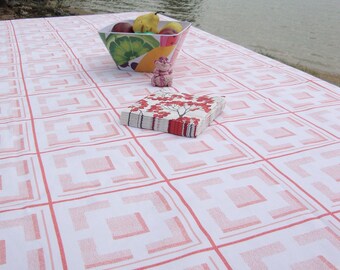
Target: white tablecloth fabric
<point>259,189</point>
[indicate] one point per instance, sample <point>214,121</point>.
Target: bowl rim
<point>107,29</point>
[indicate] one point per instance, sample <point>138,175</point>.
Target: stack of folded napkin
<point>176,113</point>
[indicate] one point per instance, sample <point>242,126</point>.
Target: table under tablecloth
<point>258,189</point>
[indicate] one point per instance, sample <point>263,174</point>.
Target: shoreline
<point>323,75</point>
<point>52,9</point>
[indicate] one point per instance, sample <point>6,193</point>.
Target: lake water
<point>305,32</point>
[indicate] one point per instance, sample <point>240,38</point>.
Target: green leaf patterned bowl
<point>138,51</point>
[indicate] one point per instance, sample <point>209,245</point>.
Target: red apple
<point>170,37</point>
<point>123,27</point>
<point>167,31</point>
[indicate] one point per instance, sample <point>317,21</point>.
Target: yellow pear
<point>146,23</point>
<point>176,26</point>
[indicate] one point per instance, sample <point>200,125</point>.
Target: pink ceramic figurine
<point>162,74</point>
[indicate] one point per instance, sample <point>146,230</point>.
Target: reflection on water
<point>302,32</point>
<point>186,10</point>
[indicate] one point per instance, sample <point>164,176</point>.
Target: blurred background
<point>301,33</point>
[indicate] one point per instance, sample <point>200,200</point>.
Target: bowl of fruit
<point>136,44</point>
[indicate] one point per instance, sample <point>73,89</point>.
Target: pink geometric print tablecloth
<point>259,189</point>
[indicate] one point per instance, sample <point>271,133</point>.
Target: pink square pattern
<point>50,68</point>
<point>246,105</point>
<point>13,109</point>
<point>191,68</point>
<point>97,169</point>
<point>16,138</point>
<point>48,105</point>
<point>209,84</point>
<point>196,46</point>
<point>78,129</point>
<point>96,62</point>
<point>122,97</point>
<point>9,71</point>
<point>227,64</point>
<point>279,135</point>
<point>241,190</point>
<point>285,248</point>
<point>303,167</point>
<point>58,83</point>
<point>34,230</point>
<point>34,51</point>
<point>213,150</point>
<point>328,118</point>
<point>111,76</point>
<point>21,182</point>
<point>258,79</point>
<point>130,237</point>
<point>11,88</point>
<point>302,97</point>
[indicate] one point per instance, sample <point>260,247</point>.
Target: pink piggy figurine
<point>162,74</point>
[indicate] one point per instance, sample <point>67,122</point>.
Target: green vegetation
<point>16,9</point>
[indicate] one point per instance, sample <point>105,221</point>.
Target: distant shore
<point>32,9</point>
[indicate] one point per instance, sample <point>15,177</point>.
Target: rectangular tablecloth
<point>258,189</point>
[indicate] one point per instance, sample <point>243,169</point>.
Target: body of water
<point>304,32</point>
